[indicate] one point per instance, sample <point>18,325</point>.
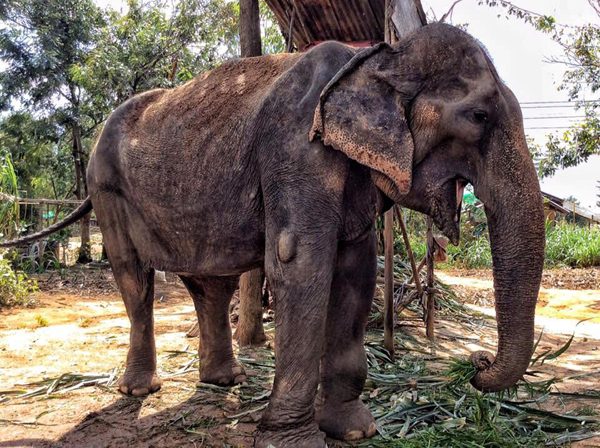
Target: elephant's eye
<point>479,117</point>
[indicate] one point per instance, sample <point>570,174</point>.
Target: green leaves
<point>68,64</point>
<point>15,287</point>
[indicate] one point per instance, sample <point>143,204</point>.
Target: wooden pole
<point>250,329</point>
<point>430,303</point>
<point>409,251</point>
<point>401,18</point>
<point>250,42</point>
<point>388,296</point>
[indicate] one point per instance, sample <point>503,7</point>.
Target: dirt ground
<point>79,326</point>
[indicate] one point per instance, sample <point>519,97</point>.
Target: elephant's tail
<point>84,208</point>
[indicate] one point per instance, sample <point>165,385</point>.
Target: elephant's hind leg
<point>339,410</point>
<point>137,287</point>
<point>211,299</point>
<point>136,284</point>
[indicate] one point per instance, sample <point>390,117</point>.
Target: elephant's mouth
<point>447,208</point>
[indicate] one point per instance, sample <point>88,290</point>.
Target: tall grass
<point>566,245</point>
<point>572,245</point>
<point>9,210</point>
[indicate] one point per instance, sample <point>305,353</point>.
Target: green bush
<point>567,244</point>
<point>474,253</point>
<point>571,245</point>
<point>15,287</point>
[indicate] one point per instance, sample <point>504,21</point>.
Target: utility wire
<point>559,102</point>
<point>558,106</point>
<point>549,117</point>
<point>546,127</point>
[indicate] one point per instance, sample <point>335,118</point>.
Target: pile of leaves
<point>406,296</point>
<point>419,399</point>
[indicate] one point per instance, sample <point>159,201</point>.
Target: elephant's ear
<point>361,114</point>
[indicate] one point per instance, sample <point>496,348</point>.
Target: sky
<point>520,54</point>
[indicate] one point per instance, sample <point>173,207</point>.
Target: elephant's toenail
<point>140,391</point>
<point>372,430</point>
<point>354,435</point>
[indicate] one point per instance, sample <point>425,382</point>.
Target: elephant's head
<point>428,116</point>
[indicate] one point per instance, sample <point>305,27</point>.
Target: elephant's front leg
<point>299,269</point>
<point>339,410</point>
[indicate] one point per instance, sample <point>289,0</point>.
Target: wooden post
<point>409,252</point>
<point>388,296</point>
<point>250,42</point>
<point>430,303</point>
<point>401,18</point>
<point>250,329</point>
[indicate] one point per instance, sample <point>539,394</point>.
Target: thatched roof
<point>312,21</point>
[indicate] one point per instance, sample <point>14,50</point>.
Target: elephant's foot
<point>222,374</point>
<point>301,437</point>
<point>345,421</point>
<point>138,384</point>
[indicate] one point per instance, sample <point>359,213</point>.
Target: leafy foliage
<point>68,64</point>
<point>567,244</point>
<point>42,161</point>
<point>572,245</point>
<point>15,287</point>
<point>9,209</point>
<point>147,48</point>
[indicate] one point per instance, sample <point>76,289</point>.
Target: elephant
<point>287,160</point>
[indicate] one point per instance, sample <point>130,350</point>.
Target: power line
<point>558,106</point>
<point>547,127</point>
<point>559,102</point>
<point>548,117</point>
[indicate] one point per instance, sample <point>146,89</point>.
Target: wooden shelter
<point>556,208</point>
<point>305,23</point>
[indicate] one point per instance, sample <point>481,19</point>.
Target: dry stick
<point>409,251</point>
<point>430,304</point>
<point>388,296</point>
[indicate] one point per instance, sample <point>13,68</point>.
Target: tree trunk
<point>85,252</point>
<point>430,302</point>
<point>401,18</point>
<point>250,42</point>
<point>407,16</point>
<point>250,325</point>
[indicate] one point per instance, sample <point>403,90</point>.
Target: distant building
<point>556,208</point>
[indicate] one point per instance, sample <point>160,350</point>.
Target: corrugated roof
<point>318,20</point>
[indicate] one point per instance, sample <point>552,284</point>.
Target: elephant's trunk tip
<point>489,377</point>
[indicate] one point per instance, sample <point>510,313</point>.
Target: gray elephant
<point>287,160</point>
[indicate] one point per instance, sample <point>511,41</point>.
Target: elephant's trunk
<point>514,210</point>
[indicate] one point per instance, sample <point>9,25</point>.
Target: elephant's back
<point>218,104</point>
<point>203,126</point>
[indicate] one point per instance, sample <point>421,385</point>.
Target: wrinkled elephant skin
<point>286,161</point>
